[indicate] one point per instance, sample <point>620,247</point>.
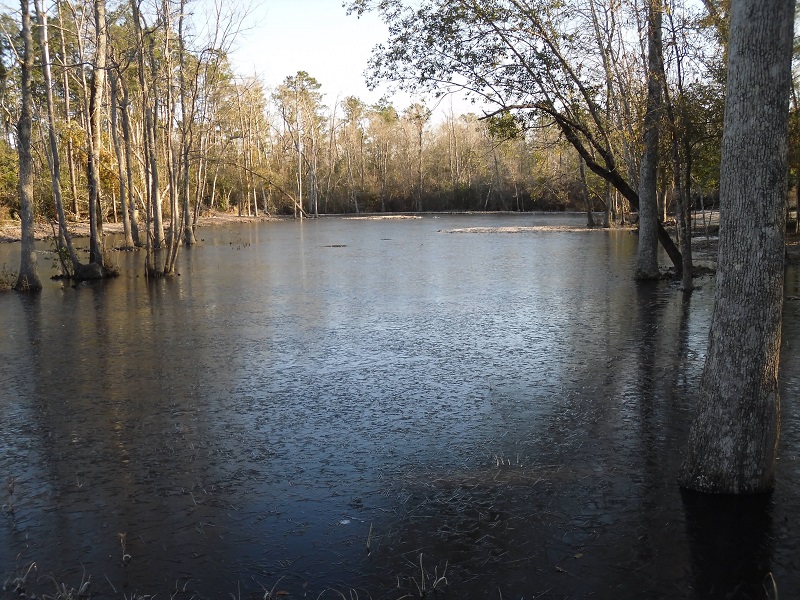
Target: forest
<point>615,105</point>
<point>138,105</point>
<point>357,396</point>
<point>251,148</point>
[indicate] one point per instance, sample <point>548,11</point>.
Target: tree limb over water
<point>533,59</point>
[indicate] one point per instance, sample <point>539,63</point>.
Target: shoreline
<point>10,231</point>
<point>704,249</point>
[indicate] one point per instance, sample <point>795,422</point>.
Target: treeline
<point>357,157</point>
<point>146,122</point>
<point>179,131</point>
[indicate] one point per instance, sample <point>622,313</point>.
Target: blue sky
<point>281,37</point>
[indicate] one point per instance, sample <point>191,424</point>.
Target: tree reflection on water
<point>506,411</point>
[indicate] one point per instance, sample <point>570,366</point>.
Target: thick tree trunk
<point>734,437</point>
<point>647,254</point>
<point>28,278</point>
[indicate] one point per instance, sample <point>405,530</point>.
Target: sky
<point>281,37</point>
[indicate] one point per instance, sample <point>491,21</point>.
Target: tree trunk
<point>68,115</point>
<point>175,219</point>
<point>681,175</point>
<point>796,111</point>
<point>64,242</point>
<point>28,278</point>
<point>647,254</point>
<point>202,168</point>
<point>419,168</point>
<point>95,108</point>
<point>611,211</point>
<point>151,134</point>
<point>126,138</point>
<point>186,133</point>
<point>123,182</point>
<point>734,437</point>
<point>299,203</point>
<point>585,192</point>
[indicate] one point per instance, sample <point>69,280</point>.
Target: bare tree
<point>68,113</point>
<point>28,278</point>
<point>647,252</point>
<point>187,129</point>
<point>418,116</point>
<point>95,111</point>
<point>124,192</point>
<point>64,243</point>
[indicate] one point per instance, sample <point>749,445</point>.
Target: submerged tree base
<point>88,272</point>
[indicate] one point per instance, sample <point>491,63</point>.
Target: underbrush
<point>8,277</point>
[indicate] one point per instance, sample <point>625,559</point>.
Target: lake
<point>363,408</point>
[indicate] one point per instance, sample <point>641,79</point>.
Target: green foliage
<point>299,96</point>
<point>503,126</point>
<point>384,112</point>
<point>9,176</point>
<point>703,107</point>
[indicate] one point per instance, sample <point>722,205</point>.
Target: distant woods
<point>150,126</point>
<point>146,123</point>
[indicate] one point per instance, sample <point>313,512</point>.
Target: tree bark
<point>126,138</point>
<point>733,440</point>
<point>124,193</point>
<point>152,127</point>
<point>647,253</point>
<point>681,174</point>
<point>187,132</point>
<point>68,116</point>
<point>28,278</point>
<point>585,192</point>
<point>95,108</point>
<point>64,241</point>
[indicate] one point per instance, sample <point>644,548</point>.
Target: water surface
<point>506,410</point>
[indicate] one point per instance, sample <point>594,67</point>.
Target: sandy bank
<point>10,230</point>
